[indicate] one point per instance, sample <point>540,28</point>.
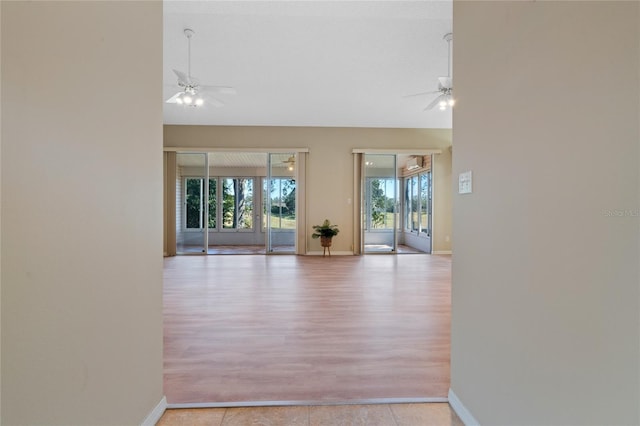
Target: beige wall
<point>545,296</point>
<point>0,216</point>
<point>81,200</point>
<point>330,164</point>
<point>442,205</point>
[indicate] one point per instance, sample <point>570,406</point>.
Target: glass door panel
<point>237,203</point>
<point>418,210</point>
<point>192,195</point>
<point>279,203</point>
<point>425,203</point>
<point>213,204</point>
<point>380,184</point>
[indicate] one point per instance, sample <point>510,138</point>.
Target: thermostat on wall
<point>465,183</point>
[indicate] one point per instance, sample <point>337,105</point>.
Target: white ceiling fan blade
<point>182,77</point>
<point>194,82</point>
<point>225,90</point>
<point>446,82</point>
<point>210,100</point>
<point>172,100</point>
<point>422,93</point>
<point>434,102</point>
<point>186,80</point>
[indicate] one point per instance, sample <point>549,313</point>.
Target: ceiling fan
<point>191,93</point>
<point>445,85</point>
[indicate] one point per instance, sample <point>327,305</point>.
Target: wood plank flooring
<point>306,328</point>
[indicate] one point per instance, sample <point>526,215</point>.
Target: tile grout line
<point>224,415</point>
<point>393,415</point>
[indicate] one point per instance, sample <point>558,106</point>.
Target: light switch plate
<point>465,181</point>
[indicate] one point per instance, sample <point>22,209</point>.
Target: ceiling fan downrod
<point>446,99</point>
<point>448,37</point>
<point>188,32</point>
<point>190,96</point>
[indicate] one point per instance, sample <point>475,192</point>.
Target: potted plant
<point>325,232</point>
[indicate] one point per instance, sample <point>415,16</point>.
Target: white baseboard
<point>156,413</point>
<point>333,253</point>
<point>307,403</point>
<point>441,252</point>
<point>462,412</point>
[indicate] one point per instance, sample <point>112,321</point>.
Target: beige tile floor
<point>427,414</point>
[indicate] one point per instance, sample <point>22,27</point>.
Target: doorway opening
<point>236,202</point>
<point>396,200</point>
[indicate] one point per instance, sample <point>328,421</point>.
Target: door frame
<point>300,174</point>
<point>358,186</point>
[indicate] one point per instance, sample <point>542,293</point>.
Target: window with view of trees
<point>237,203</point>
<point>417,195</point>
<point>194,203</point>
<point>425,202</point>
<point>380,203</point>
<point>212,203</point>
<point>283,203</point>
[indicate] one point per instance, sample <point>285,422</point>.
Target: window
<point>417,196</point>
<point>194,203</point>
<point>380,203</point>
<point>212,203</point>
<point>237,203</point>
<point>283,203</point>
<point>425,203</point>
<point>411,203</point>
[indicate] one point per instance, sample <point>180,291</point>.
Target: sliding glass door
<point>380,192</point>
<point>238,202</point>
<point>192,203</point>
<point>418,209</point>
<point>279,195</point>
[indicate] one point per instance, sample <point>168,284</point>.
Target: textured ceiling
<point>310,63</point>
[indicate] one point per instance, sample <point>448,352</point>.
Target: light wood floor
<point>306,328</point>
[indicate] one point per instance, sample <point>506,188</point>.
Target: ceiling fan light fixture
<point>444,99</point>
<point>190,87</point>
<point>189,98</point>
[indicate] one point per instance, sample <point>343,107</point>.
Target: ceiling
<point>310,63</point>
